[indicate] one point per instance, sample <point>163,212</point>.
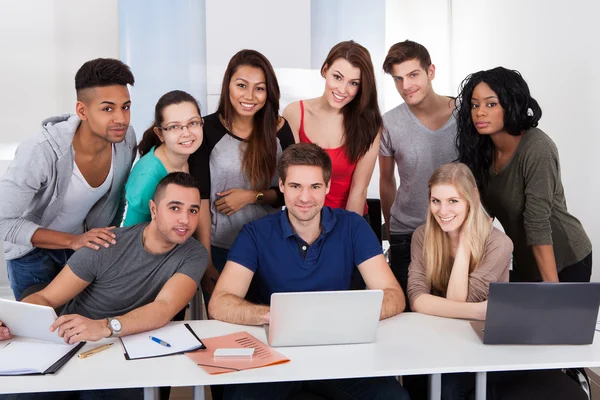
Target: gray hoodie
<point>33,187</point>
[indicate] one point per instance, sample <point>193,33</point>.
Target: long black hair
<point>521,112</point>
<point>260,157</point>
<point>150,138</point>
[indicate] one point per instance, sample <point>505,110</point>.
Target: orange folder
<point>263,354</point>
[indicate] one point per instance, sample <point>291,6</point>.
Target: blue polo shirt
<point>269,248</point>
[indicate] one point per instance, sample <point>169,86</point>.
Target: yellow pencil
<point>95,350</point>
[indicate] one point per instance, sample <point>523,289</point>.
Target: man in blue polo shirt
<point>306,247</point>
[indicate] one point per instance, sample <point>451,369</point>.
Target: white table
<point>407,344</point>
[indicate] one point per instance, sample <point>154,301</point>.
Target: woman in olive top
<point>518,173</point>
<point>457,253</point>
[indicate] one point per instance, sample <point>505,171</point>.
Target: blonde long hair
<point>437,247</point>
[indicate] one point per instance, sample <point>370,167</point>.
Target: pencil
<point>95,350</point>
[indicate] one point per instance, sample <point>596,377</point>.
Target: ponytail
<point>149,139</point>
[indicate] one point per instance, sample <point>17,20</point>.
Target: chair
<point>375,219</point>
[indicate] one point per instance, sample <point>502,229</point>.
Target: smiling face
<point>106,111</point>
<point>342,82</point>
<point>448,207</point>
<point>486,112</point>
<point>176,213</point>
<point>176,137</point>
<point>248,90</point>
<point>304,191</point>
<point>412,81</point>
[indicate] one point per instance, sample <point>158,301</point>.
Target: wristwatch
<point>115,326</point>
<point>259,197</point>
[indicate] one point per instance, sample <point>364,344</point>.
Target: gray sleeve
<point>385,148</point>
<point>194,263</point>
<point>85,262</point>
<point>25,176</point>
<point>541,173</point>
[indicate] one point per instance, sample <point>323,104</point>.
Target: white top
<point>407,344</point>
<point>79,200</point>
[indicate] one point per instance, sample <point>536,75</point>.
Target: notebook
<point>34,358</point>
<point>180,336</point>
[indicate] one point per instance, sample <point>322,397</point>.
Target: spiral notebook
<point>34,358</point>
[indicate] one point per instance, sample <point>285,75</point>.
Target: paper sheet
<point>18,358</point>
<point>178,336</point>
<point>263,354</point>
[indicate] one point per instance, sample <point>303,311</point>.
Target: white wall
<point>555,46</point>
<point>278,29</point>
<point>43,43</point>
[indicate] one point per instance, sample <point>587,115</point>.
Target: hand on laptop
<point>74,328</point>
<point>4,332</point>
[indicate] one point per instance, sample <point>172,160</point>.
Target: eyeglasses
<point>194,125</point>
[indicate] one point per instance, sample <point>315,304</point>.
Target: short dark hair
<point>308,154</point>
<point>103,72</point>
<point>404,51</point>
<point>182,179</point>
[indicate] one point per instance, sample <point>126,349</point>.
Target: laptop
<point>29,320</point>
<point>540,313</point>
<point>320,318</point>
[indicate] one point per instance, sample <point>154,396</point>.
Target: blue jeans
<point>36,267</point>
<point>387,388</point>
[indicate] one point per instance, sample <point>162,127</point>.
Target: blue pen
<point>161,342</point>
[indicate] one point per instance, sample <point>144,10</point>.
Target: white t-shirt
<point>79,200</point>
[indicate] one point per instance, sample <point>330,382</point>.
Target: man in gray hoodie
<point>64,190</point>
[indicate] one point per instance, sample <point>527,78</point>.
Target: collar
<point>328,220</point>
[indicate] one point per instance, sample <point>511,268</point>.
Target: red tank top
<point>341,171</point>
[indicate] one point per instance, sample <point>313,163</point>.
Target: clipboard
<point>182,336</point>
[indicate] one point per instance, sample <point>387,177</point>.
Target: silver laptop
<point>540,313</point>
<point>319,318</point>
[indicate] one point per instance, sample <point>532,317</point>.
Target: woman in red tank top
<point>345,121</point>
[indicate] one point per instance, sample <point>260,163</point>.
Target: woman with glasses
<point>345,121</point>
<point>174,135</point>
<point>240,153</point>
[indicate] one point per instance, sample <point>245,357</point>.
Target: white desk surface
<point>406,344</point>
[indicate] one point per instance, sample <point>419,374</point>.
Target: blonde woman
<point>454,257</point>
<point>457,253</point>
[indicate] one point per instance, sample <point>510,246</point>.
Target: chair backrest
<point>375,217</point>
